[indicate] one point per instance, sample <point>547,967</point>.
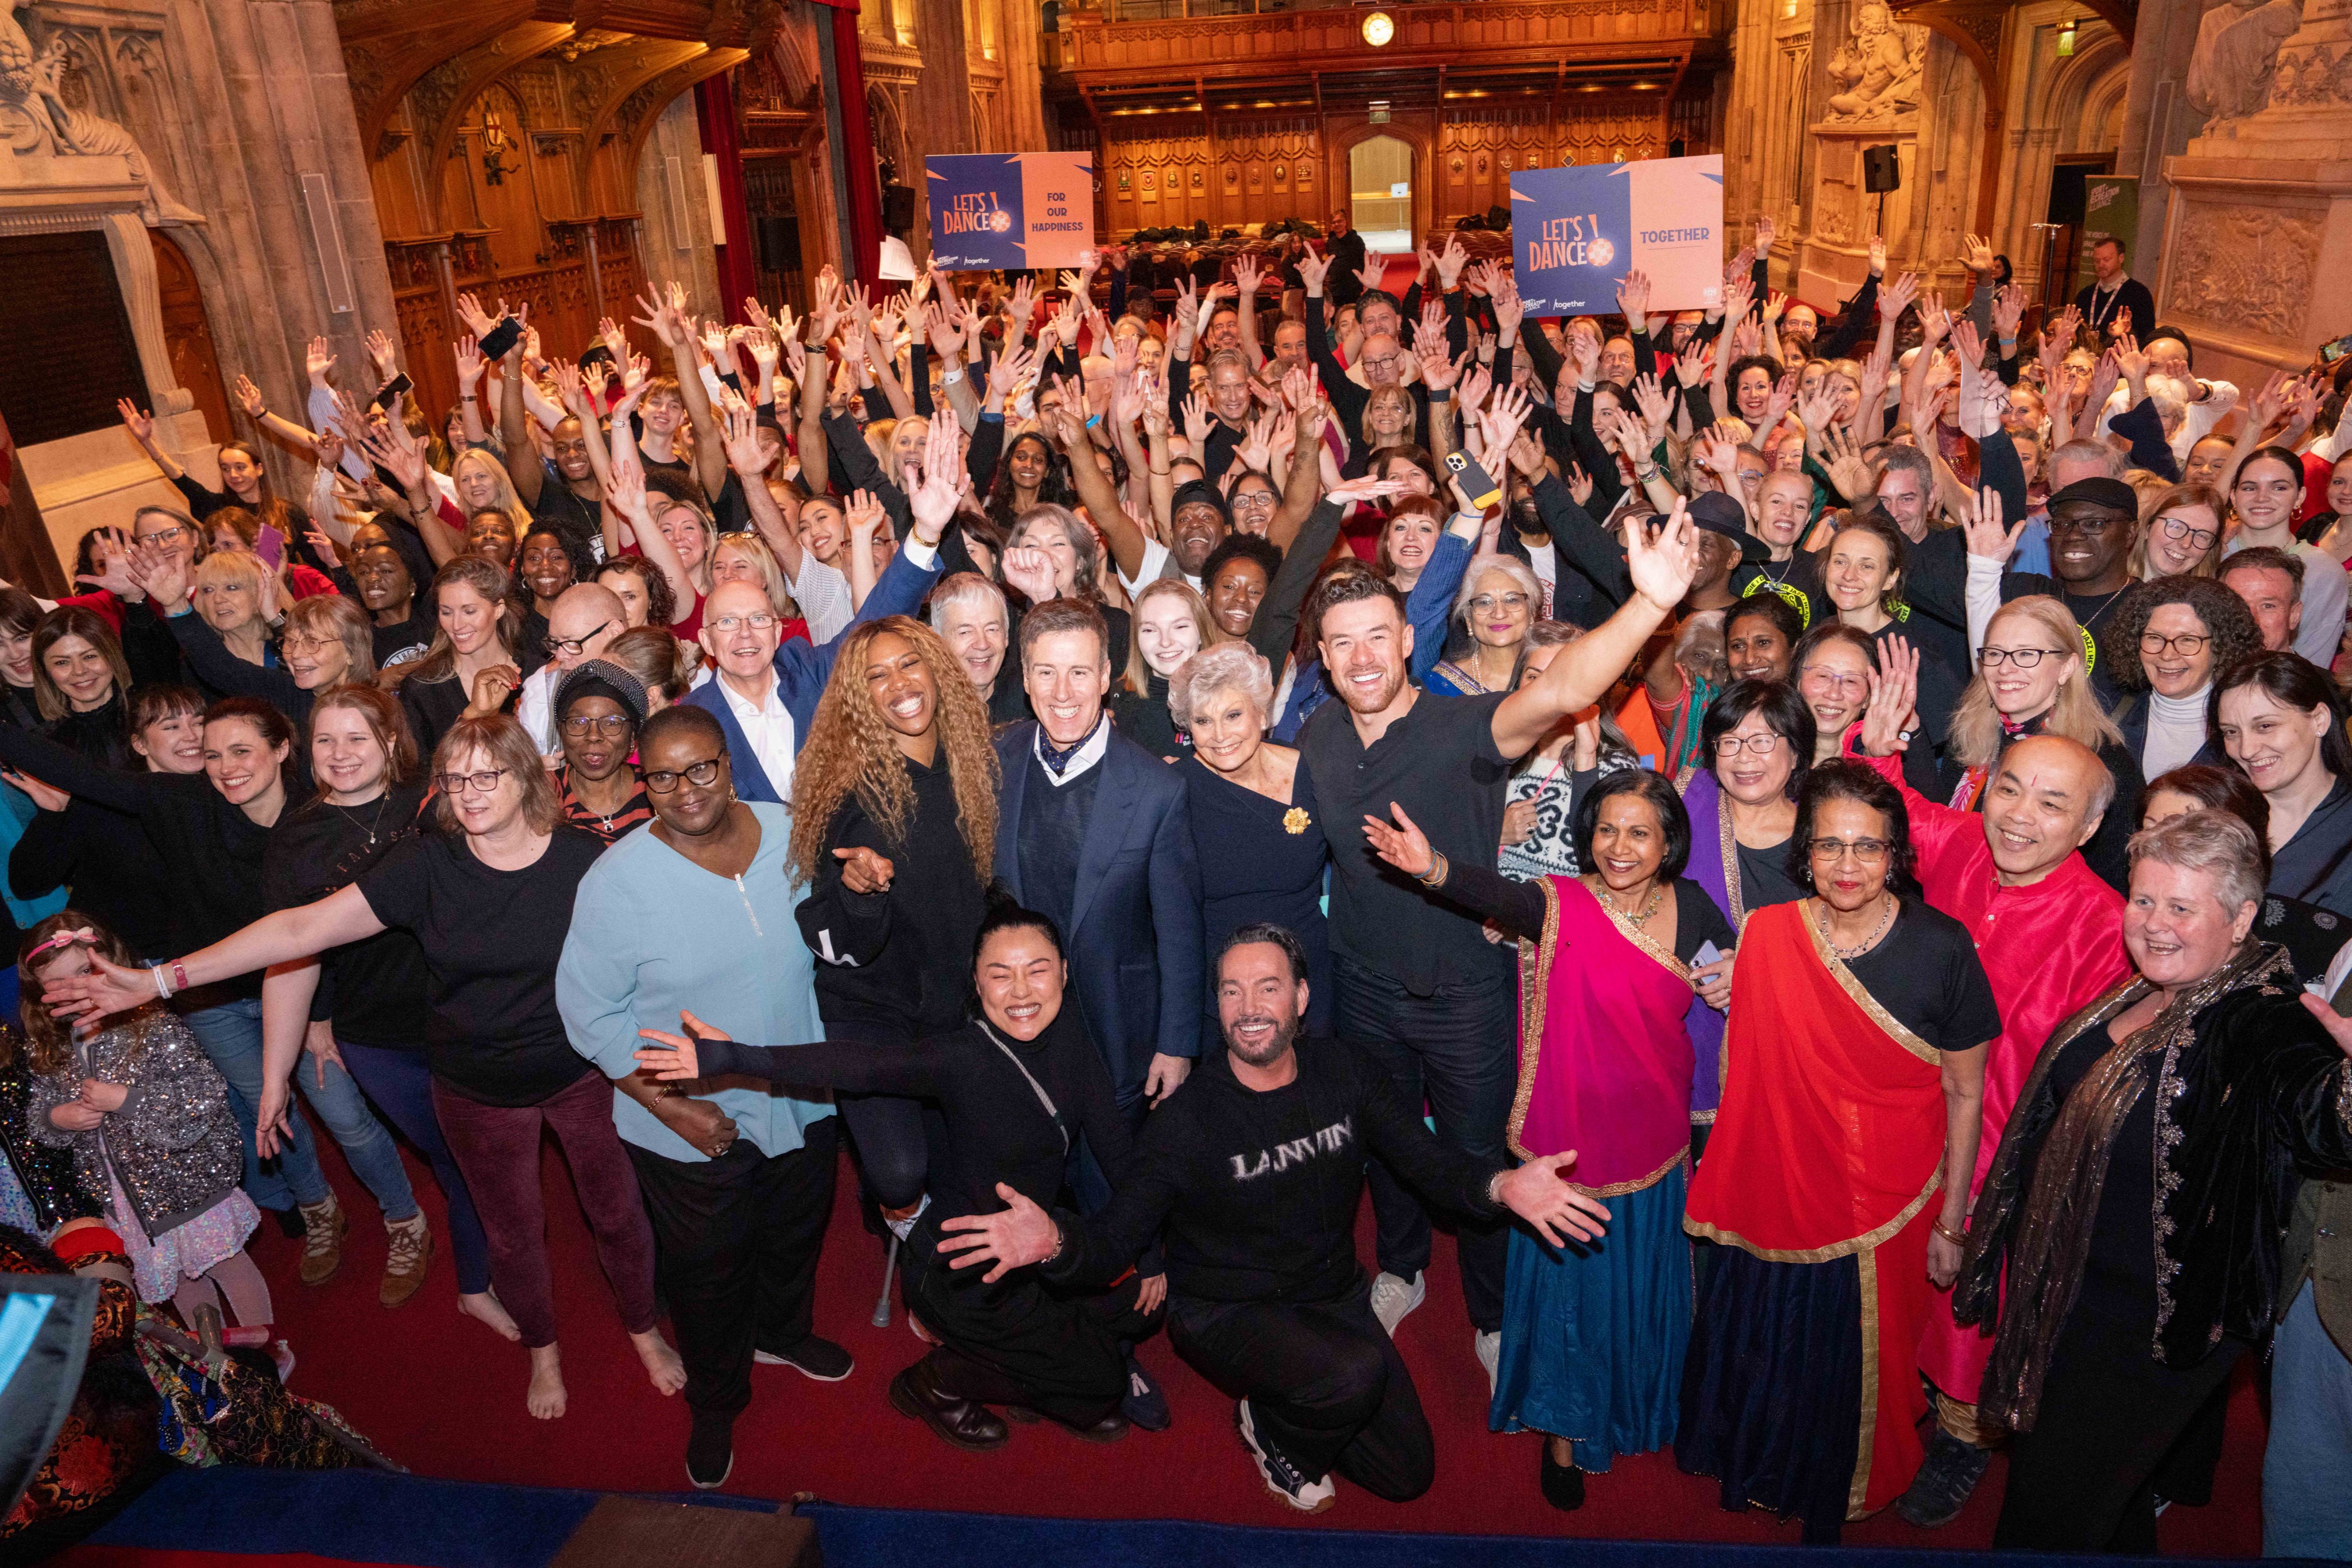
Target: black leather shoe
<point>1109,1429</point>
<point>1563,1485</point>
<point>916,1391</point>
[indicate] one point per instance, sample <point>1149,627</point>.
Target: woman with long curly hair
<point>894,827</point>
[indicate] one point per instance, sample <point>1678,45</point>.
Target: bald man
<point>2050,933</point>
<point>581,625</point>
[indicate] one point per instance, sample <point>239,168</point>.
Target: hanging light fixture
<point>2066,40</point>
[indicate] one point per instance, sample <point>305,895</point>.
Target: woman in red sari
<point>1594,1334</point>
<point>1852,1094</point>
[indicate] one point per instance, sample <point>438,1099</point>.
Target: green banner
<point>2110,208</point>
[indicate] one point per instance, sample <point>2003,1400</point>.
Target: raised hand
<point>1527,457</point>
<point>249,398</point>
<point>1374,272</point>
<point>2008,312</point>
<point>1450,263</point>
<point>1196,422</point>
<point>1313,266</point>
<point>1031,570</point>
<point>1580,485</point>
<point>1896,296</point>
<point>933,501</point>
<point>1894,706</point>
<point>470,364</point>
<point>1977,251</point>
<point>1247,276</point>
<point>1501,423</point>
<point>864,515</point>
<point>1934,321</point>
<point>1634,298</point>
<point>1877,256</point>
<point>1980,524</point>
<point>1349,492</point>
<point>1476,382</point>
<point>1840,457</point>
<point>137,420</point>
<point>1662,570</point>
<point>1404,845</point>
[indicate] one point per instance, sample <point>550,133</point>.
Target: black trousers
<point>2115,1428</point>
<point>1059,1351</point>
<point>736,1241</point>
<point>1326,1386</point>
<point>1457,1049</point>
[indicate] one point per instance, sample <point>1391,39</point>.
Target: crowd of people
<point>1817,844</point>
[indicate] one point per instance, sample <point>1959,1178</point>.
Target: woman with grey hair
<point>1539,815</point>
<point>1498,600</point>
<point>2135,1207</point>
<point>972,617</point>
<point>1053,554</point>
<point>1258,834</point>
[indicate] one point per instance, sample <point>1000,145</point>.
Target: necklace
<point>382,801</point>
<point>1649,905</point>
<point>1822,923</point>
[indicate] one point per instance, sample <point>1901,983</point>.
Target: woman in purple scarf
<point>1594,1334</point>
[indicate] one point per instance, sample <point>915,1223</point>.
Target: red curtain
<point>714,115</point>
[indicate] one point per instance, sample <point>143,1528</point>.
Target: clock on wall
<point>1378,28</point>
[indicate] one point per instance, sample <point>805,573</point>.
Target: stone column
<point>2157,119</point>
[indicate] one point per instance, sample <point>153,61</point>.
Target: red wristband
<point>179,976</point>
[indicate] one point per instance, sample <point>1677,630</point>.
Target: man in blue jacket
<point>766,692</point>
<point>1092,830</point>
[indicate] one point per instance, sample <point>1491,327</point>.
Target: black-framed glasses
<point>661,781</point>
<point>1866,850</point>
<point>2022,658</point>
<point>573,647</point>
<point>2189,643</point>
<point>612,726</point>
<point>2199,538</point>
<point>1732,745</point>
<point>483,782</point>
<point>2083,521</point>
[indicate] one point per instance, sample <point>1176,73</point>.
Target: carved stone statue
<point>2236,59</point>
<point>1876,72</point>
<point>37,120</point>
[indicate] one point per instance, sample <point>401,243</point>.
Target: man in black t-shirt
<point>1416,982</point>
<point>1254,1168</point>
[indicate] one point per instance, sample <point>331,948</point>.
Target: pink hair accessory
<point>64,939</point>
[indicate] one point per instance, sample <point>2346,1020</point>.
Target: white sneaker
<point>1488,1347</point>
<point>1393,1300</point>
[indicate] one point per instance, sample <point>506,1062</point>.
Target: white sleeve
<point>1155,561</point>
<point>1983,595</point>
<point>2324,591</point>
<point>2336,444</point>
<point>823,595</point>
<point>535,710</point>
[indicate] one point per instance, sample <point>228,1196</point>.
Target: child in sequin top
<point>148,1120</point>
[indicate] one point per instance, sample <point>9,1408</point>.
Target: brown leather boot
<point>323,1223</point>
<point>405,1265</point>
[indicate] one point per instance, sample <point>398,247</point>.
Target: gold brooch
<point>1294,821</point>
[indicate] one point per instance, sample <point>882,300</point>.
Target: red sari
<point>1830,1143</point>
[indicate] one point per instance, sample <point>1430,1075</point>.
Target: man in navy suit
<point>1093,831</point>
<point>765,693</point>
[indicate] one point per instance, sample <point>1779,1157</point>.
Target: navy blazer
<point>2132,720</point>
<point>1135,943</point>
<point>802,669</point>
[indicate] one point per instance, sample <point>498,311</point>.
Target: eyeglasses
<point>1257,500</point>
<point>612,726</point>
<point>1822,680</point>
<point>1863,850</point>
<point>2190,643</point>
<point>1486,604</point>
<point>2199,538</point>
<point>572,646</point>
<point>758,621</point>
<point>161,536</point>
<point>483,782</point>
<point>2022,658</point>
<point>1732,745</point>
<point>663,781</point>
<point>2082,523</point>
<point>307,644</point>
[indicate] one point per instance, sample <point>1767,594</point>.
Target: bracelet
<point>1958,1238</point>
<point>467,397</point>
<point>161,990</point>
<point>1435,876</point>
<point>1441,394</point>
<point>1162,473</point>
<point>179,976</point>
<point>1060,1241</point>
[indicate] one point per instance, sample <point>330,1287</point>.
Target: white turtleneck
<point>2175,730</point>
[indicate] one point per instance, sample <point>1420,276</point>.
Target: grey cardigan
<point>173,1144</point>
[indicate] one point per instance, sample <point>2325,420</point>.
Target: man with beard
<point>1415,980</point>
<point>403,628</point>
<point>2050,934</point>
<point>1256,1171</point>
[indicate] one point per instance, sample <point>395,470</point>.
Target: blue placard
<point>1010,209</point>
<point>1576,232</point>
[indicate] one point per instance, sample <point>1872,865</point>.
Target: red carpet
<point>444,1396</point>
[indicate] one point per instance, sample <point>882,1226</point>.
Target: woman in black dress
<point>1254,825</point>
<point>1019,1083</point>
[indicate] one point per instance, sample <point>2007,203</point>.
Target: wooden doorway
<point>1380,192</point>
<point>188,335</point>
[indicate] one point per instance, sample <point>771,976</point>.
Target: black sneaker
<point>1946,1477</point>
<point>289,1224</point>
<point>1145,1406</point>
<point>821,1360</point>
<point>1562,1484</point>
<point>1283,1478</point>
<point>711,1451</point>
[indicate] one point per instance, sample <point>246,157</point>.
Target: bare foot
<point>546,1397</point>
<point>662,1364</point>
<point>483,1307</point>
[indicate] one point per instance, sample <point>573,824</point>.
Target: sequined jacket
<point>2259,1098</point>
<point>174,1143</point>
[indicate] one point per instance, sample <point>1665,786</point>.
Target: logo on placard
<point>1000,221</point>
<point>1600,253</point>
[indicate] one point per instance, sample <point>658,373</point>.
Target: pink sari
<point>1605,1060</point>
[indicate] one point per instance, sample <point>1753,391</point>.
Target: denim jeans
<point>400,1085</point>
<point>231,1035</point>
<point>2308,1469</point>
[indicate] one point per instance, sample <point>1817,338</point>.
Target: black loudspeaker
<point>778,240</point>
<point>2069,192</point>
<point>1881,172</point>
<point>898,208</point>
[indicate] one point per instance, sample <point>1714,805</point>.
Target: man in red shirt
<point>2050,934</point>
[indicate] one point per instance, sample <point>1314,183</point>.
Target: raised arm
<point>666,319</point>
<point>1095,490</point>
<point>516,451</point>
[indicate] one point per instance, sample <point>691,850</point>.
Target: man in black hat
<point>1198,521</point>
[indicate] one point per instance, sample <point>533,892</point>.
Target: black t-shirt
<point>1926,973</point>
<point>401,644</point>
<point>1764,877</point>
<point>491,939</point>
<point>1440,762</point>
<point>376,988</point>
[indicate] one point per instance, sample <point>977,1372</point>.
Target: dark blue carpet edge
<point>366,1516</point>
<point>902,1538</point>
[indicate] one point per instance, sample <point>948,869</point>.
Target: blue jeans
<point>401,1087</point>
<point>231,1035</point>
<point>2308,1469</point>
